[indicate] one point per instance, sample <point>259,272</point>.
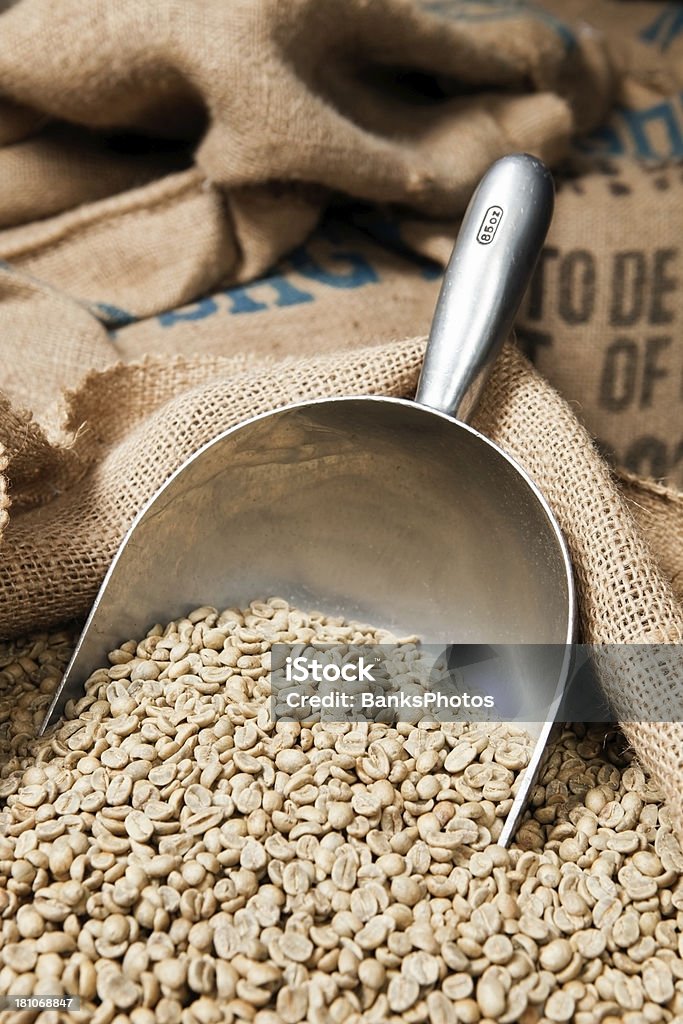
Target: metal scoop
<point>383,509</point>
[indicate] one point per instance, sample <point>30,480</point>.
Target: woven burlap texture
<point>275,105</point>
<point>658,511</point>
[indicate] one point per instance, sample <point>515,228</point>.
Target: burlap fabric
<point>283,103</point>
<point>603,317</point>
<point>158,159</point>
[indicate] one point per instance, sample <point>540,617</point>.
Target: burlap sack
<point>341,288</point>
<point>286,102</point>
<point>390,111</point>
<point>604,317</point>
<point>265,111</point>
<point>659,513</point>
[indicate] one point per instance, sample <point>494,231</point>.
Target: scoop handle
<point>494,256</point>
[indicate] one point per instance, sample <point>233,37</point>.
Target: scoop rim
<point>405,403</point>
